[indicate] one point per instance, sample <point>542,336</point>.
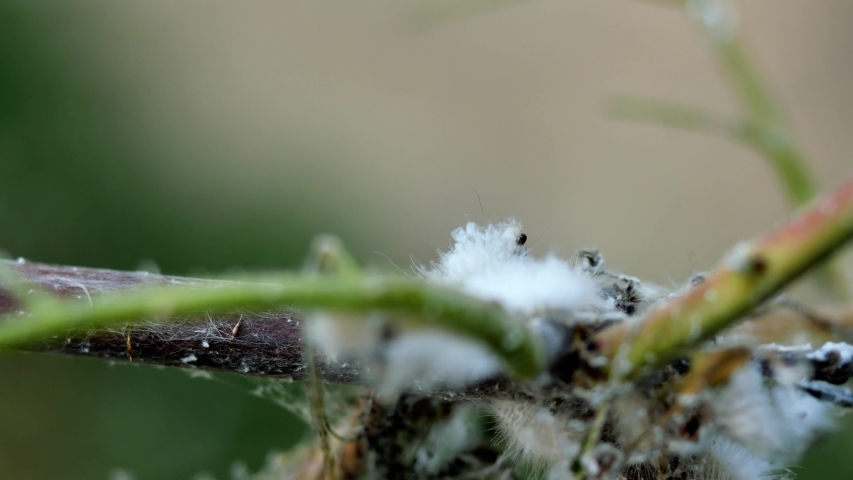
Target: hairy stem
<point>417,302</point>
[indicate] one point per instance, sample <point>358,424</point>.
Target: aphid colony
<point>735,410</point>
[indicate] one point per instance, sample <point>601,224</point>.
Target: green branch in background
<point>676,115</point>
<point>769,132</point>
<point>750,275</point>
<point>418,303</point>
<point>335,283</point>
<point>772,135</point>
<point>765,129</point>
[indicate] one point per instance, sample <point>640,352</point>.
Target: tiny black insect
<point>520,239</point>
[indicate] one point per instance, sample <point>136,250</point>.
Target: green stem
<point>748,277</point>
<point>419,302</point>
<point>769,131</point>
<point>772,136</point>
<point>667,114</point>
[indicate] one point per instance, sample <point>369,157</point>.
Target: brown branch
<point>267,343</point>
<point>270,342</point>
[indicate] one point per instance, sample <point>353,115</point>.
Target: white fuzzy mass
<point>752,427</point>
<point>487,262</point>
<point>844,350</point>
<point>431,357</point>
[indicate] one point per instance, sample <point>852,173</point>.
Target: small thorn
<point>236,328</point>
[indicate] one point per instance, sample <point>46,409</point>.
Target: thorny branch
<point>265,343</point>
<point>243,327</point>
<point>269,342</point>
<point>424,304</point>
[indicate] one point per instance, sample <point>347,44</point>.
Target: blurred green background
<point>207,136</point>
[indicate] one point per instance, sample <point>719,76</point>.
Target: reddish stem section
<point>749,276</point>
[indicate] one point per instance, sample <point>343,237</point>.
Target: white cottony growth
<point>412,358</point>
<point>477,249</point>
<point>534,432</point>
<point>448,439</point>
<point>488,263</point>
<point>776,423</point>
<point>803,418</point>
<point>731,461</point>
<point>749,428</point>
<point>189,359</point>
<point>745,413</point>
<point>527,286</point>
<point>339,337</point>
<point>843,349</point>
<point>432,357</point>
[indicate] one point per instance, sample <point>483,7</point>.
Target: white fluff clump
<point>844,350</point>
<point>476,250</point>
<point>428,358</point>
<point>730,461</point>
<point>802,419</point>
<point>343,338</point>
<point>535,432</point>
<point>447,439</point>
<point>745,413</point>
<point>747,428</point>
<point>776,422</point>
<point>529,286</point>
<point>412,358</point>
<point>487,262</point>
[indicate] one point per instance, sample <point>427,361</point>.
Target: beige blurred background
<point>208,135</point>
<point>390,132</point>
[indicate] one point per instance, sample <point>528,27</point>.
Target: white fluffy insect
<point>491,263</point>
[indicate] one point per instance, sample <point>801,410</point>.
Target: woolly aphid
<point>687,421</point>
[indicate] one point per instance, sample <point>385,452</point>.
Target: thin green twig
<point>772,136</point>
<point>680,116</point>
<point>416,302</point>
